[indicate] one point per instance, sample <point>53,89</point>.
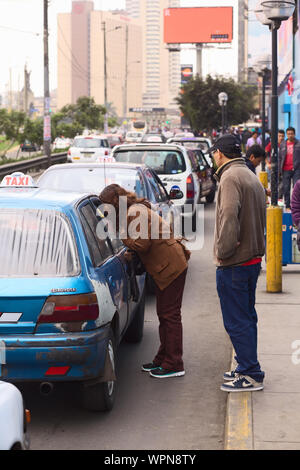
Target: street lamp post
<point>272,13</point>
<point>223,99</point>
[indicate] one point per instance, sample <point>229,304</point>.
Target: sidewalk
<point>269,420</point>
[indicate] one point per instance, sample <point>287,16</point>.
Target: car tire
<point>101,396</point>
<point>210,198</point>
<point>135,331</point>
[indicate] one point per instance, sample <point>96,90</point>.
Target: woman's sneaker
<point>149,367</point>
<point>160,373</point>
<point>242,383</point>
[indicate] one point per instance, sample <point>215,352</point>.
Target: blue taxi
<point>66,296</point>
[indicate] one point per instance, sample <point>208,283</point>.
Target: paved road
<point>184,413</point>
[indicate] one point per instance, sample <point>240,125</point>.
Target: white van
<point>88,148</point>
<point>172,164</point>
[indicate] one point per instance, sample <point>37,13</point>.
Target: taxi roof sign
<point>18,180</point>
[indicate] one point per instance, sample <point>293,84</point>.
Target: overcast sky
<point>21,38</point>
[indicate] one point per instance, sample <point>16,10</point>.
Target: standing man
<point>254,140</point>
<point>238,250</point>
<point>289,164</point>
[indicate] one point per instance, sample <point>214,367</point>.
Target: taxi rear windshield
<point>164,162</point>
<point>36,243</point>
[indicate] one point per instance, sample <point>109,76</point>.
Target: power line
<point>20,30</point>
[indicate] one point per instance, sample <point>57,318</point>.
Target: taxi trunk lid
<point>22,300</point>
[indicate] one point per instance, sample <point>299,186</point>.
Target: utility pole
<point>126,73</point>
<point>105,78</point>
<point>47,117</point>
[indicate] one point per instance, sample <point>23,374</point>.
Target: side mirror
<point>176,194</point>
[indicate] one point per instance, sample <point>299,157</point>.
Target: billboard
<point>186,74</point>
<point>198,25</point>
<point>285,49</point>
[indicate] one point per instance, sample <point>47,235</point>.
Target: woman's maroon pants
<point>168,304</point>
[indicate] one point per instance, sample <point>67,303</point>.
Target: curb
<point>239,422</point>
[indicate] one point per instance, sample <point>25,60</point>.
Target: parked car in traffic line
<point>28,146</point>
<point>72,290</point>
<point>173,166</point>
<point>88,148</point>
<point>94,177</point>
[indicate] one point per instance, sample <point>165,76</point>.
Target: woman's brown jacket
<point>163,256</point>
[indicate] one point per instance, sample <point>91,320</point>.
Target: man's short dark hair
<point>257,151</point>
<point>281,131</point>
<point>291,129</point>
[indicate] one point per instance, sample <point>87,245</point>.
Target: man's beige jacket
<point>240,215</point>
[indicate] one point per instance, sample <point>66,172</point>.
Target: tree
<point>199,103</point>
<point>85,113</point>
<point>11,124</point>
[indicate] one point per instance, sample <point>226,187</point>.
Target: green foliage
<point>11,124</point>
<point>199,102</point>
<point>85,114</point>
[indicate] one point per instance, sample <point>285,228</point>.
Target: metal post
<point>47,118</point>
<point>223,118</point>
<point>274,136</point>
<point>274,212</point>
<point>263,114</point>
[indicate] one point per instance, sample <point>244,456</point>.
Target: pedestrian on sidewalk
<point>295,206</point>
<point>254,157</point>
<point>238,249</point>
<point>254,140</point>
<point>289,164</point>
<point>281,137</point>
<point>166,260</point>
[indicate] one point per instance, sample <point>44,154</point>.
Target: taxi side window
<point>154,186</point>
<point>100,249</point>
<point>201,160</point>
<point>115,243</point>
<point>163,192</point>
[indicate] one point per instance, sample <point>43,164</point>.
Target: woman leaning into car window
<point>165,259</point>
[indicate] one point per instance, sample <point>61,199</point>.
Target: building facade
<point>85,36</point>
<point>161,76</point>
<point>289,73</point>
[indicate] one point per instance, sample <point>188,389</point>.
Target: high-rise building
<point>84,35</point>
<point>161,81</point>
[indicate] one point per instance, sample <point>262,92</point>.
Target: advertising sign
<point>186,73</point>
<point>285,49</point>
<point>198,25</point>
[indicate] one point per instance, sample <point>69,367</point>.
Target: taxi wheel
<point>101,396</point>
<point>135,331</point>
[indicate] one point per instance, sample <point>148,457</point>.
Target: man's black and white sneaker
<point>231,375</point>
<point>242,383</point>
<point>149,367</point>
<point>161,373</point>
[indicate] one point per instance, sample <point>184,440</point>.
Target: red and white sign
<point>17,180</point>
<point>290,85</point>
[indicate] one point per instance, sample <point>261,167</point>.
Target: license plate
<point>88,155</point>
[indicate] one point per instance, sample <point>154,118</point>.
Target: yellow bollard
<point>274,249</point>
<point>263,176</point>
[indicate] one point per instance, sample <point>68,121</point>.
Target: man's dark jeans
<point>237,288</point>
<point>287,178</point>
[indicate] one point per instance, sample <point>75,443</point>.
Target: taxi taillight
<point>70,308</point>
